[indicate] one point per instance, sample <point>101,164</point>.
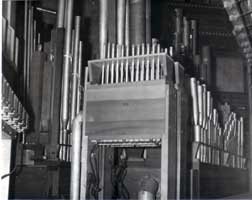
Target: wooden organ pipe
<point>137,21</point>
<point>103,26</point>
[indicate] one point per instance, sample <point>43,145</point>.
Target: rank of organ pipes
<point>131,63</point>
<point>220,145</point>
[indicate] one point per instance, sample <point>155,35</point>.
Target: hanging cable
<point>118,175</point>
<point>93,178</point>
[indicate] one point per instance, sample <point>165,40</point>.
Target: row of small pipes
<point>214,143</point>
<point>13,112</point>
<point>118,68</point>
<point>72,64</point>
<point>234,129</point>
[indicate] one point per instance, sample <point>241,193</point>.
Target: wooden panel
<point>140,90</point>
<point>136,129</point>
<point>126,110</point>
<point>168,149</point>
<point>32,183</point>
<point>217,181</point>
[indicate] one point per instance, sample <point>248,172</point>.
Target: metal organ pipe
<point>79,78</point>
<point>75,67</point>
<point>194,37</point>
<point>76,158</point>
<point>186,32</point>
<point>127,21</point>
<point>137,21</point>
<point>66,64</point>
<point>61,13</point>
<point>28,49</point>
<point>148,21</point>
<point>178,31</point>
<point>120,21</point>
<point>206,65</point>
<point>103,26</point>
<point>25,45</point>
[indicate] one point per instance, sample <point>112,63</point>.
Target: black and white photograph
<point>126,99</point>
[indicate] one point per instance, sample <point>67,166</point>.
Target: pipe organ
<point>133,108</point>
<point>137,121</point>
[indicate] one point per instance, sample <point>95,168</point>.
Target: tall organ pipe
<point>205,68</point>
<point>25,46</point>
<point>193,85</point>
<point>75,67</point>
<point>148,21</point>
<point>28,49</point>
<point>61,13</point>
<point>103,26</point>
<point>76,158</point>
<point>120,21</point>
<point>137,21</point>
<point>127,25</point>
<point>66,64</point>
<point>178,31</point>
<point>79,78</point>
<point>194,37</point>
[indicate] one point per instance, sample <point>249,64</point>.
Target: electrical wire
<point>93,178</point>
<point>118,174</point>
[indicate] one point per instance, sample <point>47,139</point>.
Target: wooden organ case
<point>135,110</point>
